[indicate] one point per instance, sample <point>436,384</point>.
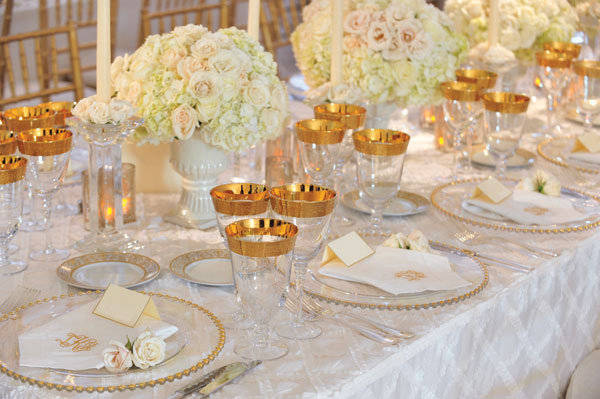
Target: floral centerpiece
<point>394,50</point>
<point>525,25</point>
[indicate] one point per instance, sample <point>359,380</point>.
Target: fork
<point>19,297</point>
<point>470,237</point>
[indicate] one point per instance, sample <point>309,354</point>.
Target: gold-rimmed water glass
<point>261,249</point>
<point>588,91</point>
<point>27,118</point>
<point>504,119</point>
<point>553,70</point>
<point>47,152</point>
<point>486,80</point>
<point>12,172</point>
<point>62,109</point>
<point>571,50</point>
<point>8,146</point>
<point>462,105</point>
<point>379,163</point>
<point>309,207</point>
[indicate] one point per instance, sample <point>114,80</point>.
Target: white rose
<point>418,242</point>
<point>208,109</point>
<point>547,184</point>
<point>204,48</point>
<point>184,121</point>
<point>133,92</point>
<point>352,43</point>
<point>173,91</point>
<point>204,85</point>
<point>525,184</point>
<point>398,12</point>
<point>378,37</point>
<point>322,26</point>
<point>172,56</point>
<point>80,110</point>
<point>257,93</point>
<point>117,357</point>
<point>271,119</point>
<point>188,65</point>
<point>392,242</point>
<point>412,37</point>
<point>148,350</point>
<point>224,62</point>
<point>279,97</point>
<point>120,110</point>
<point>98,113</point>
<point>357,22</point>
<point>117,67</point>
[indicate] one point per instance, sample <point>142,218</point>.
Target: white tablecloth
<point>521,337</point>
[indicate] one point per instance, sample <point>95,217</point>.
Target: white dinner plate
<point>522,158</point>
<point>404,204</point>
<point>207,267</point>
<point>96,271</point>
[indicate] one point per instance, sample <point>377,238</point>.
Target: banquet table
<point>521,337</point>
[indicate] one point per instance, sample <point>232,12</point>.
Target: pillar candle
<point>494,23</point>
<point>253,16</point>
<point>337,34</point>
<point>103,51</point>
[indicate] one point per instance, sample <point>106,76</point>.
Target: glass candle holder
<point>588,91</point>
<point>27,118</point>
<point>553,70</point>
<point>8,142</point>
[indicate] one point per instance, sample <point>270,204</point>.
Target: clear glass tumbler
<point>588,91</point>
<point>553,70</point>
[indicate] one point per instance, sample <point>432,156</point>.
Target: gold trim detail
<point>240,199</point>
<point>507,103</point>
<point>303,200</point>
<point>410,275</point>
<point>113,388</point>
<point>587,68</point>
<point>62,109</point>
<point>8,142</point>
<point>484,79</point>
<point>537,210</point>
<point>180,263</point>
<point>563,164</point>
<point>352,116</point>
<point>380,142</point>
<point>571,50</point>
<point>79,343</point>
<point>12,169</point>
<point>44,142</point>
<point>553,60</point>
<point>461,91</point>
<point>320,131</point>
<point>27,118</point>
<point>238,231</point>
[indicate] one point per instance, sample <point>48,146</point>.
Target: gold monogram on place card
<point>410,275</point>
<point>537,210</point>
<point>79,343</point>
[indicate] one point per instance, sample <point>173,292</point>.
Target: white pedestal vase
<point>199,165</point>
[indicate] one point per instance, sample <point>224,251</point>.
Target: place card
<point>348,249</point>
<point>587,142</point>
<point>125,306</point>
<point>491,190</point>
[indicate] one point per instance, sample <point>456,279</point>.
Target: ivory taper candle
<point>103,51</point>
<point>494,23</point>
<point>337,35</point>
<point>253,18</point>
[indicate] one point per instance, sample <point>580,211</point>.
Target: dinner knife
<point>215,380</point>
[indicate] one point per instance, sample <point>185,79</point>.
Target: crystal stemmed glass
<point>233,202</point>
<point>588,91</point>
<point>553,69</point>
<point>12,171</point>
<point>504,116</point>
<point>260,249</point>
<point>379,162</point>
<point>461,108</point>
<point>486,80</point>
<point>309,207</point>
<point>8,146</point>
<point>47,152</point>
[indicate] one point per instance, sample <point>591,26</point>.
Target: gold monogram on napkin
<point>125,306</point>
<point>491,190</point>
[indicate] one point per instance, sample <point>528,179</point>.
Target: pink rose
<point>412,37</point>
<point>117,358</point>
<point>184,121</point>
<point>378,36</point>
<point>351,43</point>
<point>172,56</point>
<point>357,22</point>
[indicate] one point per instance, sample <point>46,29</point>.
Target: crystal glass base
<point>374,235</point>
<point>237,320</point>
<point>13,267</point>
<point>342,221</point>
<point>45,255</point>
<point>298,332</point>
<point>114,241</point>
<point>32,225</point>
<point>12,249</point>
<point>66,209</point>
<point>273,351</point>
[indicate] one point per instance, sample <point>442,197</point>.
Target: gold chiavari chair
<point>25,84</point>
<point>6,23</point>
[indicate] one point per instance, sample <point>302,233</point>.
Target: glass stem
<point>376,216</point>
<point>4,253</point>
<point>551,113</point>
<point>300,273</point>
<point>47,210</point>
<point>260,338</point>
<point>501,166</point>
<point>457,150</point>
<point>587,122</point>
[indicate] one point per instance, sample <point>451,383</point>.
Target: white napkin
<point>399,271</point>
<point>40,347</point>
<point>529,207</point>
<point>588,157</point>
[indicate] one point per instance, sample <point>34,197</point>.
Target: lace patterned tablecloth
<point>521,337</point>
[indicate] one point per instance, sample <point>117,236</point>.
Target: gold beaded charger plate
<point>403,204</point>
<point>207,267</point>
<point>348,293</point>
<point>199,339</point>
<point>521,159</point>
<point>556,150</point>
<point>448,199</point>
<point>96,271</point>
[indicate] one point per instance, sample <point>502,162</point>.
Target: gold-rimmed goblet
<point>588,91</point>
<point>12,172</point>
<point>260,250</point>
<point>8,146</point>
<point>379,162</point>
<point>47,152</point>
<point>62,109</point>
<point>233,202</point>
<point>553,70</point>
<point>309,207</point>
<point>571,50</point>
<point>505,115</point>
<point>486,80</point>
<point>462,105</point>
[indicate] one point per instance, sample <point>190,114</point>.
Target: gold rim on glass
<point>238,232</point>
<point>12,169</point>
<point>563,164</point>
<point>44,142</point>
<point>240,199</point>
<point>380,142</point>
<point>320,131</point>
<point>303,200</point>
<point>352,116</point>
<point>571,50</point>
<point>461,91</point>
<point>27,118</point>
<point>587,68</point>
<point>553,60</point>
<point>506,103</point>
<point>484,79</point>
<point>62,109</point>
<point>8,142</point>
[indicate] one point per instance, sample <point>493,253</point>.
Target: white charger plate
<point>207,267</point>
<point>403,204</point>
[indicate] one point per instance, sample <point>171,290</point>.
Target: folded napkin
<point>587,157</point>
<point>75,340</point>
<point>529,207</point>
<point>399,271</point>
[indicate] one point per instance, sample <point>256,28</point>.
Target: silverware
<point>470,238</point>
<point>216,379</point>
<point>19,297</point>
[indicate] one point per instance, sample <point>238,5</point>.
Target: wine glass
<point>504,116</point>
<point>260,249</point>
<point>8,146</point>
<point>12,171</point>
<point>379,162</point>
<point>571,50</point>
<point>553,70</point>
<point>486,80</point>
<point>588,91</point>
<point>460,111</point>
<point>233,202</point>
<point>47,152</point>
<point>309,207</point>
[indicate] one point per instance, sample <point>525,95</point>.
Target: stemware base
<point>66,209</point>
<point>33,225</point>
<point>272,351</point>
<point>298,332</point>
<point>237,320</point>
<point>12,249</point>
<point>45,255</point>
<point>341,221</point>
<point>12,267</point>
<point>113,241</point>
<point>373,235</point>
